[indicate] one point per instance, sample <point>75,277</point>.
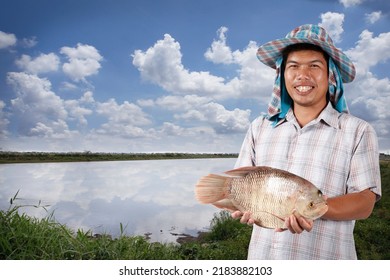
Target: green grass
<point>372,236</point>
<point>26,238</point>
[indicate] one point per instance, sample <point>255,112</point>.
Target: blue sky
<point>157,76</point>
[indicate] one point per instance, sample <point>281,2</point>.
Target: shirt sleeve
<point>247,156</point>
<point>365,170</point>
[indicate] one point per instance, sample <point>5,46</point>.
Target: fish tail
<point>212,188</point>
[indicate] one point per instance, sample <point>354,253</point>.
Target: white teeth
<point>304,88</point>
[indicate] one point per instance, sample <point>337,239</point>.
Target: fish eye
<point>311,204</point>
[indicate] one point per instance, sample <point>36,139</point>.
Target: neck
<point>304,115</point>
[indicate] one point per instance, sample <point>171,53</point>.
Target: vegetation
<point>24,237</point>
<point>27,238</point>
<point>31,157</point>
<point>372,236</point>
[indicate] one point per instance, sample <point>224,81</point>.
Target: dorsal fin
<point>243,171</point>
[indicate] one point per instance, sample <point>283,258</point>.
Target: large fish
<point>269,194</point>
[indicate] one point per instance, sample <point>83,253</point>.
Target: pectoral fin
<point>226,204</point>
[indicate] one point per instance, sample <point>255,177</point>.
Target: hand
<point>296,224</point>
<point>245,218</point>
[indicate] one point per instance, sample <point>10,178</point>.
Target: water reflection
<point>155,197</point>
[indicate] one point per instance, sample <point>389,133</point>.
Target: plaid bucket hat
<point>312,34</point>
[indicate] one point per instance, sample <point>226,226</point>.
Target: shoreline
<point>43,157</point>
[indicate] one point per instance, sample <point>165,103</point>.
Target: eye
<point>311,204</point>
<point>292,66</point>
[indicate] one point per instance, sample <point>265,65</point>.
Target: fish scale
<point>258,199</point>
<point>269,194</point>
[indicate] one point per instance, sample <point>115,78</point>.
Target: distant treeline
<point>384,157</point>
<point>30,157</point>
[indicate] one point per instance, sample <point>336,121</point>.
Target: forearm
<point>353,206</point>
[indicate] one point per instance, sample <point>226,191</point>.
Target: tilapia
<point>269,194</point>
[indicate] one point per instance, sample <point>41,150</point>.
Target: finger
<point>288,226</point>
<point>251,222</point>
<point>295,226</point>
<point>236,214</point>
<point>306,224</point>
<point>245,218</point>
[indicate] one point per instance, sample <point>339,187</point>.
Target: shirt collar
<point>329,115</point>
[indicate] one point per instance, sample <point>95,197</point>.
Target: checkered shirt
<point>338,153</point>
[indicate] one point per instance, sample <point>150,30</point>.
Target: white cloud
<point>55,130</point>
<point>124,120</point>
<point>29,42</point>
<point>368,95</point>
<point>181,103</point>
<point>370,51</point>
<point>225,121</point>
<point>40,112</point>
<point>196,109</point>
<point>162,65</point>
<point>333,24</point>
<point>77,112</point>
<point>7,40</point>
<point>87,97</point>
<point>350,3</point>
<point>370,101</point>
<point>145,102</point>
<point>42,64</point>
<point>253,77</point>
<point>219,52</point>
<point>373,17</point>
<point>3,120</point>
<point>84,61</point>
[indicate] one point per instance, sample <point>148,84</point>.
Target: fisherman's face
<point>306,78</point>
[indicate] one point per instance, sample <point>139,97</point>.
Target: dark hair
<point>302,47</point>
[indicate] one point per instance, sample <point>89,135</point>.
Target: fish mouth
<point>320,210</point>
<point>324,210</point>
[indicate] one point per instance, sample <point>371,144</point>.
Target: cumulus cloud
<point>373,17</point>
<point>162,65</point>
<point>36,105</point>
<point>370,50</point>
<point>77,112</point>
<point>3,120</point>
<point>124,120</point>
<point>333,23</point>
<point>84,61</point>
<point>253,77</point>
<point>40,111</point>
<point>350,3</point>
<point>195,109</point>
<point>219,52</point>
<point>369,95</point>
<point>29,42</point>
<point>7,40</point>
<point>42,64</point>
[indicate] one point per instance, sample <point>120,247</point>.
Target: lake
<point>153,197</point>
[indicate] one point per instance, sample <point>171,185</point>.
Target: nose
<point>303,73</point>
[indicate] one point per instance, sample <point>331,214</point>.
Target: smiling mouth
<point>303,89</point>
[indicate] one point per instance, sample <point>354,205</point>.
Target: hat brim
<point>271,51</point>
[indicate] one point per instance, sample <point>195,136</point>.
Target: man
<point>309,132</point>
